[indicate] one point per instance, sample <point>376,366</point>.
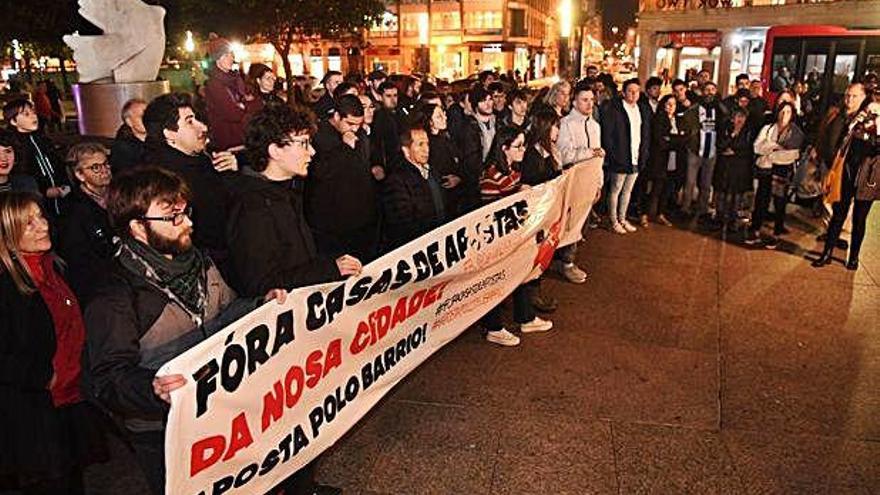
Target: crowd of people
<point>202,210</point>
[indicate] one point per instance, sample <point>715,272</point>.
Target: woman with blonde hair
<point>49,434</point>
<point>559,97</point>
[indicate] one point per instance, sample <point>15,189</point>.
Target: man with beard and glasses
<point>162,297</point>
<point>178,141</point>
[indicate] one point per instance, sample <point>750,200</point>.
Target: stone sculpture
<point>131,48</point>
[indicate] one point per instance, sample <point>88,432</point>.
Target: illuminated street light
<point>423,29</point>
<point>565,15</point>
<point>238,50</point>
<point>614,30</point>
<point>189,44</point>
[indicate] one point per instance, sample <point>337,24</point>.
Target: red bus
<point>827,57</point>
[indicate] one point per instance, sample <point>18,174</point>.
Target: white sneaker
<point>536,325</point>
<point>618,228</point>
<point>628,226</point>
<point>573,274</point>
<point>503,337</point>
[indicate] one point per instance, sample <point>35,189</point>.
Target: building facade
<point>452,39</point>
<point>727,37</point>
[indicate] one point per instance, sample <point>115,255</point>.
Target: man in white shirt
<point>625,136</point>
<point>580,139</point>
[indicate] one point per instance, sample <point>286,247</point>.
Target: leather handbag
<point>834,179</point>
<point>868,179</point>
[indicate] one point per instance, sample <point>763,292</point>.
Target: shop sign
<point>703,39</point>
<point>693,4</point>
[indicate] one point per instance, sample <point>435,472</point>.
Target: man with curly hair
<point>270,243</point>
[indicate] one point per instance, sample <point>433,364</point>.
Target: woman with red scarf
<point>48,433</point>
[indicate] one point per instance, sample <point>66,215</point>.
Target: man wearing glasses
<point>162,296</point>
<point>340,196</point>
<point>85,238</point>
<point>270,243</point>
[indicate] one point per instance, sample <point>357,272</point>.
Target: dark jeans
<point>67,485</point>
<point>566,254</point>
<point>523,311</point>
<point>727,204</point>
<point>762,205</point>
<point>840,209</point>
<point>149,450</point>
<point>661,192</point>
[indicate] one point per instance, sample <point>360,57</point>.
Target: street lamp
<point>189,44</point>
<point>565,15</point>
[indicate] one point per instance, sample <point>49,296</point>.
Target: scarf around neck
<point>183,279</point>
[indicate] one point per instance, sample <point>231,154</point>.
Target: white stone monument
<point>118,65</point>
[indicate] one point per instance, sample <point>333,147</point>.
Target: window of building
<point>518,22</point>
<point>446,21</point>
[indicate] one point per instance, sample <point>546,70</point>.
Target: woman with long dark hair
<point>668,159</point>
<point>540,164</point>
<point>778,147</point>
<point>733,173</point>
<point>502,177</point>
<point>443,157</point>
<point>861,145</point>
<point>49,434</point>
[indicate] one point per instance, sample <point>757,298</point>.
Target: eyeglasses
<point>303,143</point>
<point>518,146</point>
<point>96,167</point>
<point>175,218</point>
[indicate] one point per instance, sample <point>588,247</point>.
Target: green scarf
<point>184,278</point>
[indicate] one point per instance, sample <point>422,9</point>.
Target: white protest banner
<point>269,393</point>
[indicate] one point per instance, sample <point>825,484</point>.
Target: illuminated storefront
<point>461,38</point>
<point>727,37</point>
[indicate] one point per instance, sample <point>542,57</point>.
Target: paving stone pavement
<point>686,364</point>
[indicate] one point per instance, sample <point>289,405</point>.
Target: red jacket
<point>228,110</point>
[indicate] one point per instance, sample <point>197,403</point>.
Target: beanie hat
<point>218,46</point>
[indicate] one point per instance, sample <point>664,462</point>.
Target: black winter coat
<point>85,243</point>
<point>211,196</point>
<point>471,149</point>
<point>39,440</point>
<point>733,173</point>
<point>127,151</point>
<point>340,198</point>
<point>386,128</point>
<point>616,137</point>
<point>663,142</point>
<point>270,243</point>
<point>407,205</point>
<point>28,148</point>
<point>537,168</point>
<point>444,161</point>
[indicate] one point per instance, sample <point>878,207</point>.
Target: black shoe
<point>544,303</point>
<point>852,264</point>
<point>824,259</point>
<point>318,489</point>
<point>782,231</point>
<point>771,243</point>
<point>752,238</point>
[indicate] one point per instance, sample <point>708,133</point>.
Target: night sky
<point>620,13</point>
